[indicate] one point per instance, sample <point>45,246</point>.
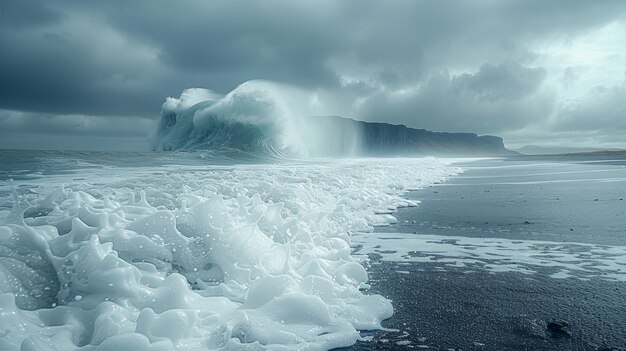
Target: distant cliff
<point>384,139</point>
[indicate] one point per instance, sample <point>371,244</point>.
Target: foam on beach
<point>240,257</point>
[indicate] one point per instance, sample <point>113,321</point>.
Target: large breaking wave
<point>258,117</point>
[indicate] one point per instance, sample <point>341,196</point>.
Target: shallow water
<point>570,200</point>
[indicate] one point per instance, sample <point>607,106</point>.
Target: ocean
<point>205,250</point>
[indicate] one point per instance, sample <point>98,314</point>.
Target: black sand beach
<point>442,307</point>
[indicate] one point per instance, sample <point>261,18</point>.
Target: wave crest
<point>254,118</point>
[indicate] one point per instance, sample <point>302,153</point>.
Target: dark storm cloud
<point>27,13</point>
<point>604,110</point>
<point>236,41</point>
<point>499,82</point>
<point>496,98</point>
<point>53,74</point>
<point>70,68</point>
<point>121,58</point>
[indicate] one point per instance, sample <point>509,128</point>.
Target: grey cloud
<point>296,42</point>
<point>500,82</point>
<point>285,41</point>
<point>66,73</point>
<point>121,58</point>
<point>221,44</point>
<point>26,13</point>
<point>594,119</point>
<point>421,35</point>
<point>601,109</point>
<point>483,102</point>
<point>569,76</point>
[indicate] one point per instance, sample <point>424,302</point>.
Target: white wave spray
<point>258,117</point>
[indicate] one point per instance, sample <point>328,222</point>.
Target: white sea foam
<point>566,260</point>
<point>239,257</point>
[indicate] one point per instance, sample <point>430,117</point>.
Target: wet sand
<point>442,307</point>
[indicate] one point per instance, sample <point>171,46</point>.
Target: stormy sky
<point>93,75</point>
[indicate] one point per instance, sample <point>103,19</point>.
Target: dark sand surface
<point>441,307</point>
